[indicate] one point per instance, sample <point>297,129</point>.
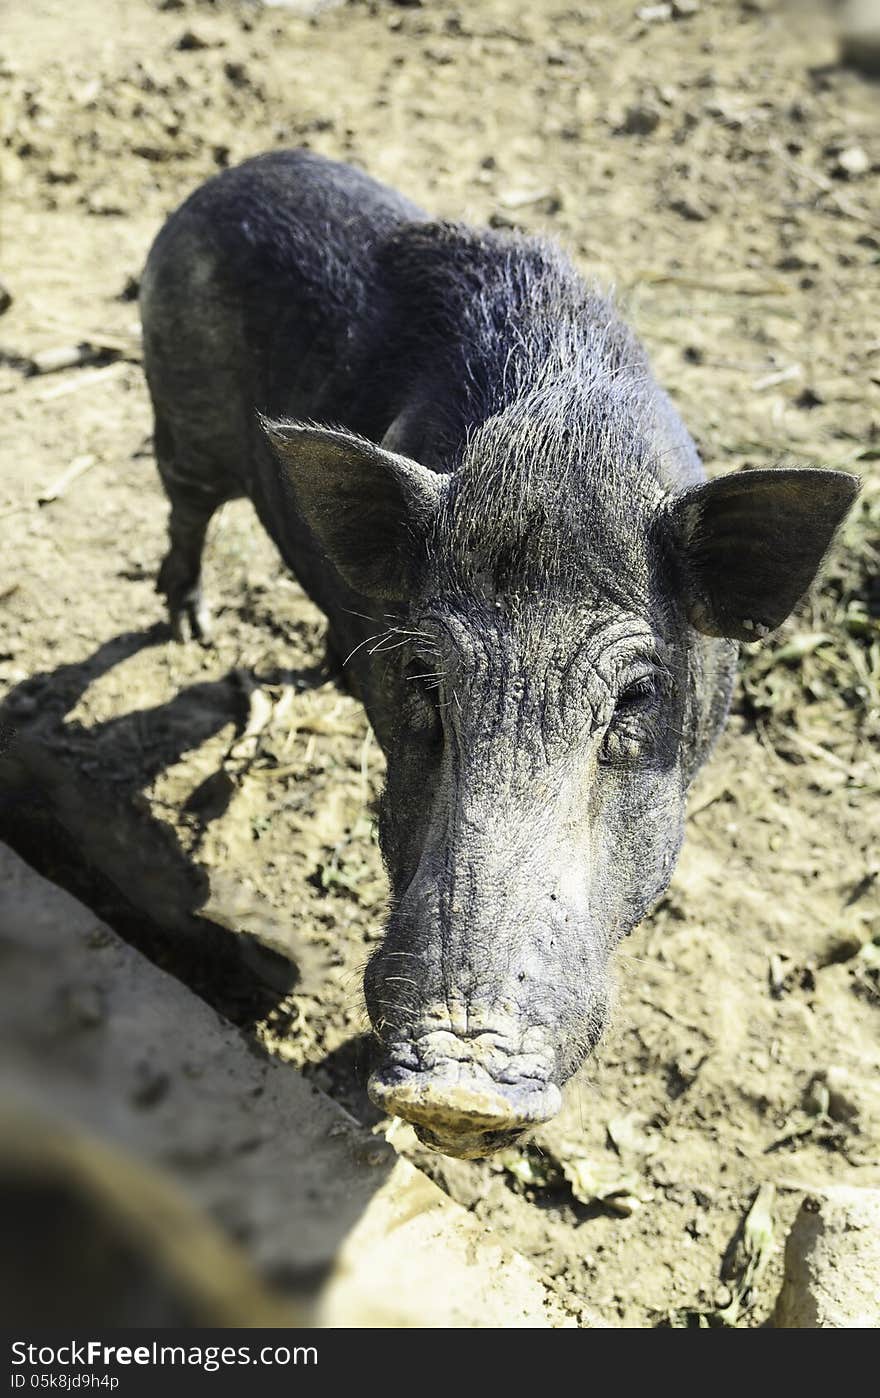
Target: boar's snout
<point>460,1108</point>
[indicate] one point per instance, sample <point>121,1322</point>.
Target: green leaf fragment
<point>595,1182</point>
<point>753,1252</point>
<point>529,1168</point>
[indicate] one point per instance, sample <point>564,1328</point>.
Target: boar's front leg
<point>194,495</point>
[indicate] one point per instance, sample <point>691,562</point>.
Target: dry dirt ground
<point>722,170</point>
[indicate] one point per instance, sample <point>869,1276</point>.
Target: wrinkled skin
<point>537,592</point>
<point>534,811</point>
<point>525,859</point>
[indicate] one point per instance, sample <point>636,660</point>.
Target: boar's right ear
<point>751,544</point>
<point>370,509</point>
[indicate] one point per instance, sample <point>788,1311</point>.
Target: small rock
<point>846,1097</point>
<point>191,42</point>
<point>640,119</point>
<point>842,946</point>
<point>852,163</point>
<point>654,14</point>
<point>546,201</point>
<point>5,299</point>
<point>131,289</point>
<point>60,174</point>
<point>697,1227</point>
<point>684,9</point>
<point>809,398</point>
<point>105,203</point>
<point>800,257</point>
<point>146,151</point>
<point>50,361</point>
<point>689,208</point>
<point>724,112</point>
<point>843,1104</point>
<point>832,1263</point>
<point>237,74</point>
<point>86,94</point>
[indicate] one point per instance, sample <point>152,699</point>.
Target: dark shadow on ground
<point>343,1073</point>
<point>71,804</point>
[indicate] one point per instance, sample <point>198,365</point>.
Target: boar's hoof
<point>191,621</point>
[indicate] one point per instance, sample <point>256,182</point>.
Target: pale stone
<point>102,1046</point>
<point>832,1262</point>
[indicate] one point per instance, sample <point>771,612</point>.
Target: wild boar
<point>460,451</point>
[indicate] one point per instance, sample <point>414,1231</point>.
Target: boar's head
<point>560,646</point>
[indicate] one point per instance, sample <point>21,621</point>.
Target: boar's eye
<point>635,695</point>
<point>422,673</point>
<point>626,731</point>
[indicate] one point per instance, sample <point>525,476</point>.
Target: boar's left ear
<point>752,542</point>
<point>369,509</point>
